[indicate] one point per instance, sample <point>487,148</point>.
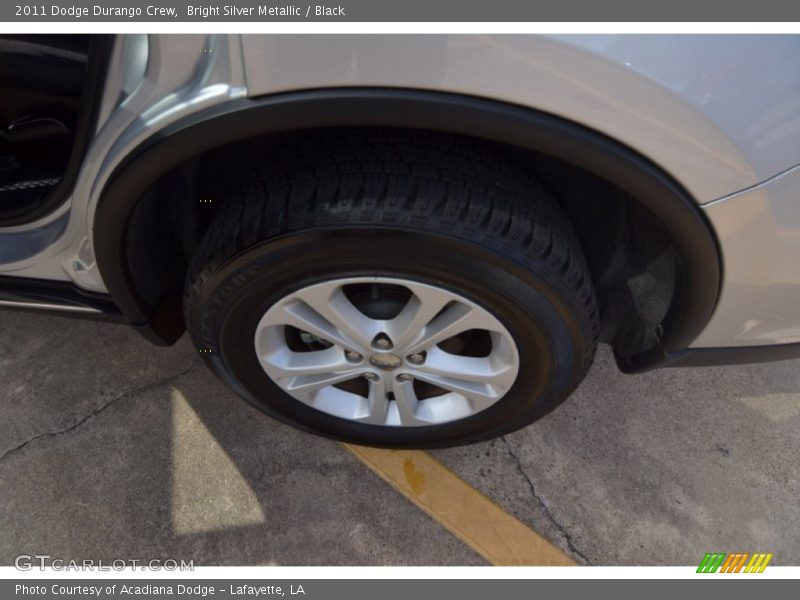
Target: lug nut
<point>417,358</point>
<point>404,377</point>
<point>382,342</point>
<point>352,356</point>
<point>371,376</point>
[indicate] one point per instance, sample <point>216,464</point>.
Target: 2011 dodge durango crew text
<point>409,241</point>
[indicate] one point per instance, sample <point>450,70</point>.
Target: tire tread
<point>438,183</point>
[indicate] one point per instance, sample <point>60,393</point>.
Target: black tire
<point>431,208</point>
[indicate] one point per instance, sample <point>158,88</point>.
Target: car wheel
<point>393,290</point>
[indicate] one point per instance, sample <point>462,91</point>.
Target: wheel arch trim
<point>478,117</point>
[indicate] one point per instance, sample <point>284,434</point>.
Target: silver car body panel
<point>678,102</point>
<point>721,114</point>
<point>759,230</point>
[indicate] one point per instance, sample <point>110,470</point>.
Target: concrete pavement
<point>113,448</point>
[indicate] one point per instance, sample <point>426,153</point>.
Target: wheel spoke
<point>302,316</point>
<point>407,403</point>
<point>377,403</point>
<point>455,319</point>
<point>304,386</point>
<point>284,363</point>
<point>419,311</point>
<point>489,369</point>
<point>340,313</point>
<point>480,395</point>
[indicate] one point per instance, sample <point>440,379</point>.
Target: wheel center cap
<point>387,362</point>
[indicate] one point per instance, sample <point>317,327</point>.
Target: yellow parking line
<point>461,509</point>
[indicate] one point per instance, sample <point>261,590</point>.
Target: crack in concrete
<point>545,508</point>
<point>98,410</point>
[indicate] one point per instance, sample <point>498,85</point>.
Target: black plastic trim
<point>417,109</point>
<point>92,95</point>
<point>58,293</point>
<point>709,357</point>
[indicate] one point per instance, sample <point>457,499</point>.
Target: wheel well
<point>634,265</point>
<point>653,258</point>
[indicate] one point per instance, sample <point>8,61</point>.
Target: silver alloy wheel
<point>389,355</point>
